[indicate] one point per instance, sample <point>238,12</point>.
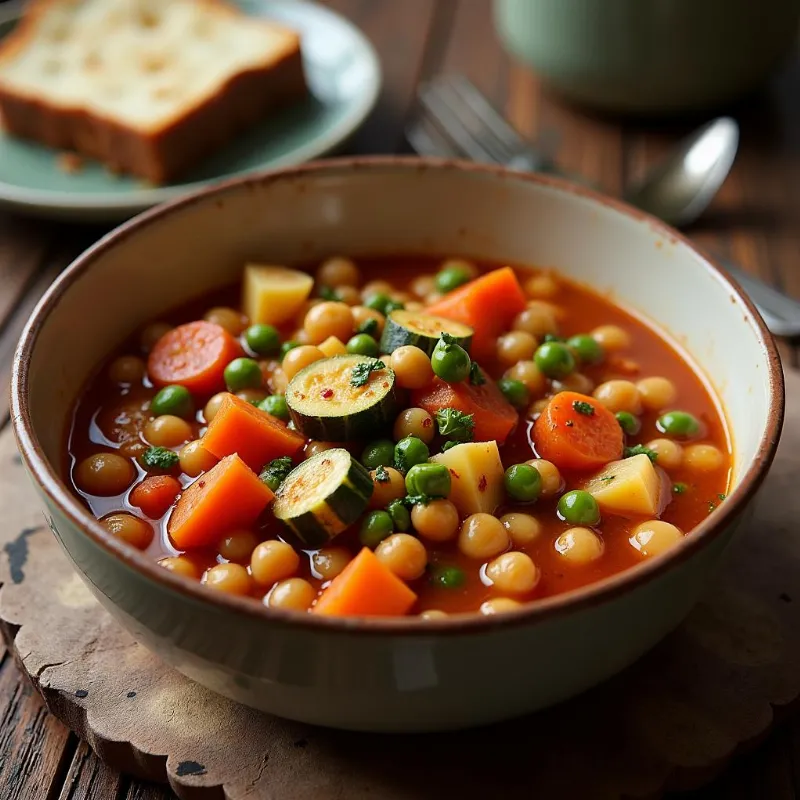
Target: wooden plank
<point>88,777</point>
<point>147,791</point>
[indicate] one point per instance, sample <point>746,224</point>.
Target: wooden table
<point>752,222</point>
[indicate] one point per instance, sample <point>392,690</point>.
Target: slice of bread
<point>148,87</point>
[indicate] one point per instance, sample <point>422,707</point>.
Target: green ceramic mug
<point>650,56</point>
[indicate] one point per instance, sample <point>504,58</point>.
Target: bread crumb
<point>70,163</point>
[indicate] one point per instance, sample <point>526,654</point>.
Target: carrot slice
<point>258,437</point>
<point>493,415</point>
<point>228,496</point>
<point>193,355</point>
<point>488,305</point>
<point>575,432</point>
<point>154,495</point>
<point>365,588</point>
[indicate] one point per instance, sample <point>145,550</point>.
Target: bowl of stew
<point>394,444</point>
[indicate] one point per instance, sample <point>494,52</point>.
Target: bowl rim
<point>599,592</point>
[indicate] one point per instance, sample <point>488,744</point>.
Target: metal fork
<point>456,120</point>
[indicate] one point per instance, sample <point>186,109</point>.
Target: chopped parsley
<point>368,326</point>
<point>448,445</point>
<point>608,478</point>
<point>159,458</point>
<point>381,475</point>
<point>722,496</point>
<point>448,338</point>
<point>455,424</point>
<point>361,372</point>
<point>679,488</point>
<point>417,499</point>
<point>582,407</point>
<point>711,506</point>
<point>274,474</point>
<point>475,375</point>
<point>639,450</point>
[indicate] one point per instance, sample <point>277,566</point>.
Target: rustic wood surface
<point>754,221</point>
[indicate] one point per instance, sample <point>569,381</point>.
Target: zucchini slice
<point>323,496</point>
<point>421,330</point>
<point>327,401</point>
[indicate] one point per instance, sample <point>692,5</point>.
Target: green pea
<point>451,278</point>
<point>375,527</point>
<point>264,340</point>
<point>450,361</point>
<point>399,514</point>
<point>409,452</point>
<point>288,345</point>
<point>587,348</point>
<point>678,423</point>
<point>173,399</point>
<point>275,404</point>
<point>432,480</point>
<point>448,577</point>
<point>379,302</point>
<point>516,392</point>
<point>379,453</point>
<point>628,422</point>
<point>363,344</point>
<point>579,508</point>
<point>554,359</point>
<point>393,305</point>
<point>243,373</point>
<point>523,483</point>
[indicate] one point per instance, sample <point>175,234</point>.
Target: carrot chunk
<point>488,305</point>
<point>154,495</point>
<point>258,437</point>
<point>228,496</point>
<point>366,588</point>
<point>576,432</point>
<point>493,415</point>
<point>193,355</point>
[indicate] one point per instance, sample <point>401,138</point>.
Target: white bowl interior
<point>395,209</point>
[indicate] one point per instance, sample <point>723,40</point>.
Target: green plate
<point>343,75</point>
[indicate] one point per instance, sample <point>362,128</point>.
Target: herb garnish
<point>638,450</point>
<point>582,407</point>
<point>274,474</point>
<point>368,326</point>
<point>455,424</point>
<point>362,371</point>
<point>381,475</point>
<point>159,458</point>
<point>679,488</point>
<point>475,375</point>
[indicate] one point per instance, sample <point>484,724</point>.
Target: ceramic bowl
<point>371,674</point>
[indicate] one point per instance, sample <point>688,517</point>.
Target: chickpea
<point>463,264</point>
<point>576,382</point>
<point>433,613</point>
<point>127,370</point>
<point>423,285</point>
<point>538,406</point>
<point>537,319</point>
<point>619,395</point>
<point>528,373</point>
<point>168,431</point>
<point>330,562</point>
<point>376,287</point>
<point>386,491</point>
<point>702,458</point>
<point>362,314</point>
<point>655,537</point>
<point>499,605</point>
<point>252,395</point>
<point>401,297</point>
<point>132,448</point>
<point>135,531</point>
<point>515,346</point>
<point>414,305</point>
<point>433,297</point>
<point>404,555</point>
<point>436,521</point>
<point>279,380</point>
<point>212,406</point>
<point>552,482</point>
<point>657,393</point>
<point>482,536</point>
<point>542,287</point>
<point>522,528</point>
<point>579,545</point>
<point>414,422</point>
<point>151,334</point>
<point>349,295</point>
<point>238,546</point>
<point>296,359</point>
<point>329,319</point>
<point>312,448</point>
<point>180,566</point>
<point>229,318</point>
<point>611,338</point>
<point>513,573</point>
<point>301,336</point>
<point>104,474</point>
<point>273,561</point>
<point>337,272</point>
<point>669,453</point>
<point>412,367</point>
<point>294,594</point>
<point>229,578</point>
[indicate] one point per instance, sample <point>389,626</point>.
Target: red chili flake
<point>482,484</point>
<point>327,393</point>
<point>427,422</point>
<point>201,484</point>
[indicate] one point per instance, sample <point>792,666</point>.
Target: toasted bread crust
<point>162,154</point>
